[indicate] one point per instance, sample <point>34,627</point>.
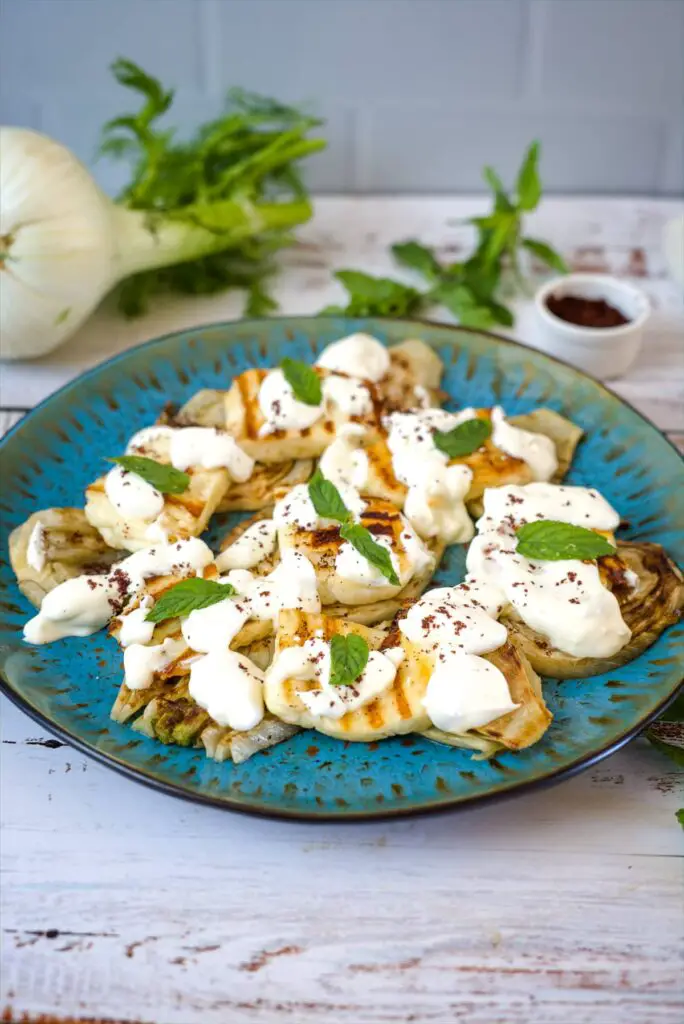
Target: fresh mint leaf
<point>551,541</point>
<point>501,200</point>
<point>160,475</point>
<point>528,185</point>
<point>464,439</point>
<point>546,254</point>
<point>303,380</point>
<point>501,236</point>
<point>326,498</point>
<point>348,658</point>
<point>362,539</point>
<point>459,300</point>
<point>417,257</point>
<point>188,596</point>
<point>469,287</point>
<point>378,296</point>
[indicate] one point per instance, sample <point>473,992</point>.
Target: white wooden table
<point>562,907</point>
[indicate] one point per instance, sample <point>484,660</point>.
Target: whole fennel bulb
<point>57,244</point>
<point>197,216</point>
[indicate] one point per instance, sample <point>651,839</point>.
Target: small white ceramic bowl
<point>601,351</point>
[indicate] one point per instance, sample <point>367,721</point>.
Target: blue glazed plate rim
<point>513,788</point>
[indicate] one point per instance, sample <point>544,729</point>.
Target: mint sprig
<point>551,541</point>
<point>304,381</point>
<point>328,503</point>
<point>467,288</point>
<point>348,658</point>
<point>326,499</point>
<point>464,439</point>
<point>189,596</point>
<point>362,539</point>
<point>165,478</point>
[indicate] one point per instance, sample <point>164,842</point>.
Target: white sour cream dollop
<point>359,355</point>
<point>454,626</point>
<point>311,662</point>
<point>131,496</point>
<point>435,502</point>
<point>537,450</point>
<point>85,604</point>
<point>256,543</point>
<point>230,687</point>
<point>564,600</point>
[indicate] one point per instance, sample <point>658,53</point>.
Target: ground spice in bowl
<point>575,309</point>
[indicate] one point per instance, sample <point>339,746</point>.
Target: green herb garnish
<point>463,439</point>
<point>160,475</point>
<point>469,288</point>
<point>189,596</point>
<point>215,207</point>
<point>375,296</point>
<point>327,501</point>
<point>304,381</point>
<point>551,541</point>
<point>362,539</point>
<point>348,658</point>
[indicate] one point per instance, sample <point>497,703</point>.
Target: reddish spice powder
<point>575,309</point>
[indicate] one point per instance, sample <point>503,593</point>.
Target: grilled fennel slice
<point>252,636</point>
<point>565,435</point>
<point>321,547</point>
<point>173,717</point>
<point>518,729</point>
<point>244,421</point>
<point>207,409</point>
<point>396,711</point>
<point>378,603</point>
<point>491,467</point>
<point>648,609</point>
<point>413,365</point>
<point>70,547</point>
<point>267,563</point>
<point>413,379</point>
<point>184,515</point>
<point>222,744</point>
<point>266,484</point>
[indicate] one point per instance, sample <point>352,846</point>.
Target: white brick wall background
<point>417,94</point>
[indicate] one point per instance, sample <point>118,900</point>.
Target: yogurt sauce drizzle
<point>296,511</point>
<point>537,450</point>
<point>194,447</point>
<point>85,604</point>
<point>223,682</point>
<point>311,662</point>
<point>454,626</point>
<point>185,448</point>
<point>565,600</point>
<point>359,354</point>
<point>348,362</point>
<point>282,411</point>
<point>435,502</point>
<point>256,543</point>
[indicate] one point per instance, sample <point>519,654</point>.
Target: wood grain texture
<point>562,907</point>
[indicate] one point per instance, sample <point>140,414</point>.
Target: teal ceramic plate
<point>50,457</point>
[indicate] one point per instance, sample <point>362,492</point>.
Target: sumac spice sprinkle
<point>575,309</point>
